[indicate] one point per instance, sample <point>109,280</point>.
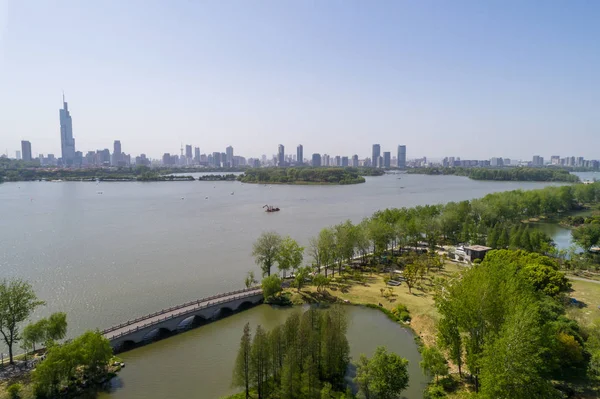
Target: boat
<point>271,208</point>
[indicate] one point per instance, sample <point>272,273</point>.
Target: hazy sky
<point>467,78</point>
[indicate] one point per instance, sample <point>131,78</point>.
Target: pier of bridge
<point>177,318</point>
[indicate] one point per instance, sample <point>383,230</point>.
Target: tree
<point>250,280</point>
<point>241,372</point>
<point>271,286</point>
<point>300,277</point>
<point>410,274</point>
<point>265,251</point>
<point>35,333</point>
<point>587,236</point>
<point>56,328</point>
<point>290,255</point>
<point>434,363</point>
<point>17,302</point>
<point>260,361</point>
<point>384,376</point>
<point>321,282</point>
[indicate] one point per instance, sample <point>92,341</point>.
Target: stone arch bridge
<point>181,317</point>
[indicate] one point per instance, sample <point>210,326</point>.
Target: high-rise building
<point>495,161</point>
<point>355,161</point>
<point>345,161</point>
<point>300,154</point>
<point>18,155</point>
<point>188,151</point>
<point>376,154</point>
<point>26,150</point>
<point>338,160</point>
<point>197,154</point>
<point>117,153</point>
<point>379,163</point>
<point>229,156</point>
<point>555,159</point>
<point>316,159</point>
<point>280,155</point>
<point>67,142</point>
<point>387,160</point>
<point>325,161</point>
<point>537,161</point>
<point>216,156</point>
<point>402,157</point>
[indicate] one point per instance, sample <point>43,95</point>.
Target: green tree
<point>587,236</point>
<point>300,277</point>
<point>250,280</point>
<point>260,362</point>
<point>290,255</point>
<point>17,302</point>
<point>321,282</point>
<point>434,363</point>
<point>265,251</point>
<point>35,333</point>
<point>411,274</point>
<point>14,390</point>
<point>271,286</point>
<point>56,328</point>
<point>384,376</point>
<point>241,372</point>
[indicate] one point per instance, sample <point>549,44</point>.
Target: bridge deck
<point>189,307</point>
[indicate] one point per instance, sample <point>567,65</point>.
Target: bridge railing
<point>148,316</point>
<point>190,311</point>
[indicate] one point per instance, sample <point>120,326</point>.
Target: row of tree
<point>307,357</point>
<point>502,174</point>
<point>302,175</point>
<point>298,359</point>
<point>504,319</point>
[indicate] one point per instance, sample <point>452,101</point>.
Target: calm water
<point>199,363</point>
<point>108,252</point>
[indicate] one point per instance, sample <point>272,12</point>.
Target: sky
<point>474,79</point>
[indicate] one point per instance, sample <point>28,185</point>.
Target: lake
<point>105,253</point>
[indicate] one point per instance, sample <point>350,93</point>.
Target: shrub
<point>401,312</point>
<point>14,391</point>
<point>434,392</point>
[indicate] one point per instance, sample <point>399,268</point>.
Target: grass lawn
<point>589,294</point>
<point>368,291</point>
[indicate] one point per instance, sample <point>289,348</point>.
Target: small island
<point>308,175</point>
<point>227,177</point>
<point>502,174</point>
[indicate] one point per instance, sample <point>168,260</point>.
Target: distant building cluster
<point>536,161</point>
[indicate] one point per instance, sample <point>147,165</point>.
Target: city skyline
<point>443,80</point>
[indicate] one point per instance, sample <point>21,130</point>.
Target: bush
<point>14,391</point>
<point>401,312</point>
<point>434,392</point>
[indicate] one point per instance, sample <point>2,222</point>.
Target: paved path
<point>587,280</point>
<point>174,311</point>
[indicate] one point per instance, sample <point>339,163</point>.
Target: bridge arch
<point>156,334</point>
<point>190,322</point>
<point>245,305</point>
<point>222,312</point>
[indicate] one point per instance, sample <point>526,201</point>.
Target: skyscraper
<point>26,150</point>
<point>316,159</point>
<point>197,154</point>
<point>387,160</point>
<point>376,153</point>
<point>188,151</point>
<point>344,161</point>
<point>67,142</point>
<point>18,155</point>
<point>229,156</point>
<point>300,154</point>
<point>280,155</point>
<point>116,153</point>
<point>355,161</point>
<point>401,156</point>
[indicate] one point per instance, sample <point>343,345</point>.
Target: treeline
<point>299,359</point>
<point>504,321</point>
<point>502,174</point>
<point>227,177</point>
<point>307,357</point>
<point>303,175</point>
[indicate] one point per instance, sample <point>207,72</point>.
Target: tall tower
<point>26,150</point>
<point>67,142</point>
<point>376,154</point>
<point>116,153</point>
<point>280,155</point>
<point>300,155</point>
<point>229,156</point>
<point>401,160</point>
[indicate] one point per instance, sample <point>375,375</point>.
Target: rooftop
<point>478,248</point>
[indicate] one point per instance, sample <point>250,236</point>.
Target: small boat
<point>231,193</point>
<point>271,208</point>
